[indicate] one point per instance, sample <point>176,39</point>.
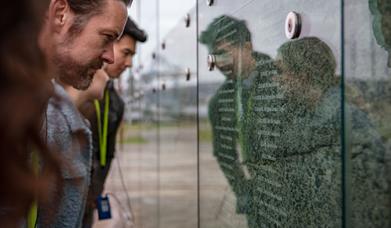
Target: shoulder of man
<point>57,126</point>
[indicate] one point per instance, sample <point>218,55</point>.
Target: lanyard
<point>103,132</point>
<point>33,212</point>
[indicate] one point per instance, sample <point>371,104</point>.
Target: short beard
<point>71,72</point>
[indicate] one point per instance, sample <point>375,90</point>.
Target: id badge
<point>104,210</point>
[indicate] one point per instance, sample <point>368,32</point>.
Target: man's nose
<point>108,54</point>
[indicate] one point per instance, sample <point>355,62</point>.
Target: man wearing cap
<point>242,67</point>
<point>106,115</point>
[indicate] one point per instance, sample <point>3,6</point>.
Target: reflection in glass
<point>276,127</point>
<point>293,136</point>
<point>276,118</point>
<point>381,24</point>
<point>367,119</point>
<point>230,41</point>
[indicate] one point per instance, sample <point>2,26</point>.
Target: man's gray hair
<point>84,10</point>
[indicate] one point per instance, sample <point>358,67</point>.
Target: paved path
<point>176,206</point>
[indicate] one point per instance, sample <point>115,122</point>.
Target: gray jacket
<point>68,133</point>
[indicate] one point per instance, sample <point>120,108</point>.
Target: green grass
<point>205,132</point>
<point>137,126</point>
<point>205,135</point>
<point>135,140</point>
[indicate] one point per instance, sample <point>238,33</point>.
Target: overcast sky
<point>170,15</point>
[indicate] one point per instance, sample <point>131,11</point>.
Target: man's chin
<point>115,74</point>
<point>83,85</point>
<point>86,82</point>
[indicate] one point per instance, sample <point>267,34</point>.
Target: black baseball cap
<point>131,29</point>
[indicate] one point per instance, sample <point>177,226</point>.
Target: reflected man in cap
<point>229,40</point>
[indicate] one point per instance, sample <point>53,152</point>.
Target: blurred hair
<point>225,29</point>
<point>85,7</point>
<point>24,91</point>
<point>311,57</point>
<point>84,10</point>
<point>381,24</point>
<point>382,7</point>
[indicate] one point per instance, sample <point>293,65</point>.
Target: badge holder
<point>104,209</point>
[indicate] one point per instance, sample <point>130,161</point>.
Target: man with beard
<point>124,50</point>
<point>77,38</point>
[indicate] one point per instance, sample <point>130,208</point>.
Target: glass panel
<point>368,110</point>
<point>149,84</point>
<point>178,115</point>
<point>270,126</point>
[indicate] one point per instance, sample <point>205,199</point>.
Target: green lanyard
<point>33,212</point>
<point>103,132</point>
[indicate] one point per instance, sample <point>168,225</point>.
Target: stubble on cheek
<point>72,73</point>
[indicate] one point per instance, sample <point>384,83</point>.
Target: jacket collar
<point>65,105</point>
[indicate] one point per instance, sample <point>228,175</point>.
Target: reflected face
<point>226,56</point>
<point>79,56</point>
<point>386,29</point>
<point>124,50</point>
<point>382,32</point>
<point>231,60</point>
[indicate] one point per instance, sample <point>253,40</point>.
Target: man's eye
<point>107,39</point>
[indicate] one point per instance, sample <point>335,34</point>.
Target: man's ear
<point>58,14</point>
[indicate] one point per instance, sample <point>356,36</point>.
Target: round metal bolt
<point>188,74</point>
<point>187,20</point>
<point>293,25</point>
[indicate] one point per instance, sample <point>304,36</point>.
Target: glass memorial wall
<point>167,67</point>
<point>265,113</point>
<point>367,99</point>
<point>178,114</point>
<point>147,84</point>
<point>275,116</point>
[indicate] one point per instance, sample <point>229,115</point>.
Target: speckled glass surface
<point>273,107</point>
<point>368,114</point>
<point>283,133</point>
<point>148,86</point>
<point>178,117</point>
